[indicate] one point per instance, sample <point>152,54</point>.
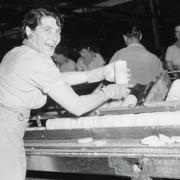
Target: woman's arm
<point>77,105</point>
<point>64,95</point>
<point>95,75</point>
<point>74,77</point>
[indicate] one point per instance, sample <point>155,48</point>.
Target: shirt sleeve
<point>44,74</point>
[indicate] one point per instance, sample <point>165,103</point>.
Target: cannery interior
<point>89,89</point>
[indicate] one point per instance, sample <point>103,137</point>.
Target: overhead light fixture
<point>110,3</point>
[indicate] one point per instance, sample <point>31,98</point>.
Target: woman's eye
<point>46,30</point>
<point>58,31</point>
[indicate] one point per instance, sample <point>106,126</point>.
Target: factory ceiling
<point>158,13</point>
<point>12,11</point>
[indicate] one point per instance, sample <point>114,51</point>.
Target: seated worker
<point>89,60</point>
<point>144,66</point>
<point>28,75</point>
<point>172,56</point>
<point>64,63</point>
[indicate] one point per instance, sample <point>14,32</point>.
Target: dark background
<point>96,22</point>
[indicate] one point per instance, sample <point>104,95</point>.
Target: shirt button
<point>20,117</point>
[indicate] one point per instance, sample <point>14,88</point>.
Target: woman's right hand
<point>116,91</point>
<point>109,72</point>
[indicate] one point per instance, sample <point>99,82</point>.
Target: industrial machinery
<point>109,141</point>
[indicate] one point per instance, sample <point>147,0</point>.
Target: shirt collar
<point>135,44</point>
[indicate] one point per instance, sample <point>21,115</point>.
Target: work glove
<point>103,73</point>
<point>117,72</point>
<point>116,91</point>
<point>109,72</point>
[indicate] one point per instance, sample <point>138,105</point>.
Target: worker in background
<point>172,56</point>
<point>144,66</point>
<point>89,59</point>
<point>64,63</point>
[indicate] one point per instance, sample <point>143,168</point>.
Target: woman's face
<point>46,36</point>
<point>177,32</point>
<point>84,52</point>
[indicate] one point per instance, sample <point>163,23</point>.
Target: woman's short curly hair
<point>33,18</point>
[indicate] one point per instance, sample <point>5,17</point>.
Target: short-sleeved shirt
<point>96,62</point>
<point>173,55</point>
<point>26,77</point>
<point>144,66</point>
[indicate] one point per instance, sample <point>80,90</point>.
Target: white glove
<point>116,91</point>
<point>106,72</point>
<point>99,74</point>
<point>109,72</point>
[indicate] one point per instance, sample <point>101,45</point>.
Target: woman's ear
<point>28,32</point>
<point>140,37</point>
<point>125,39</point>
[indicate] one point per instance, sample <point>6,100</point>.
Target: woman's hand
<point>104,73</point>
<point>116,91</point>
<point>109,72</point>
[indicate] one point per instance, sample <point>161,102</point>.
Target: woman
<point>28,75</point>
<point>89,60</point>
<point>172,57</point>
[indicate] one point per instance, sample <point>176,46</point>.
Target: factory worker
<point>145,66</point>
<point>172,55</point>
<point>89,60</point>
<point>64,63</point>
<point>28,75</point>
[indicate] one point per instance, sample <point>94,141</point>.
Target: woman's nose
<point>56,38</point>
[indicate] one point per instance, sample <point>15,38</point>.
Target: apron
<point>12,153</point>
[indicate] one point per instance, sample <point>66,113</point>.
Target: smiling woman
<point>44,32</point>
<point>46,36</point>
<point>28,75</point>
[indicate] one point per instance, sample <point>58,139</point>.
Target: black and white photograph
<point>89,89</point>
